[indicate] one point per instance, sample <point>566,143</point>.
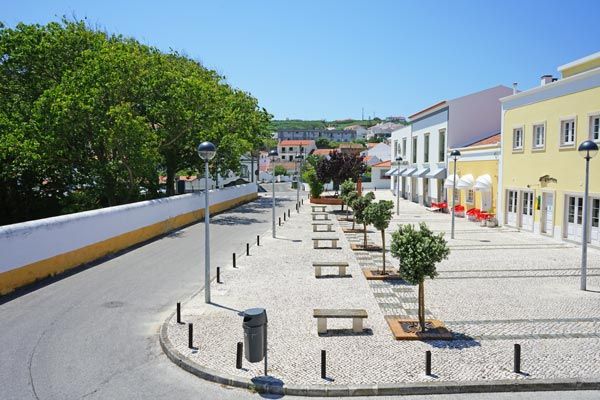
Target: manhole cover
<point>113,304</point>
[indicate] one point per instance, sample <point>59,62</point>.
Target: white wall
<point>27,242</point>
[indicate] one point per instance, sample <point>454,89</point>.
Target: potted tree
<point>379,215</point>
<point>418,252</point>
<point>359,206</point>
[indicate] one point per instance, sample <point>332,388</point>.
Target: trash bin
<point>255,327</point>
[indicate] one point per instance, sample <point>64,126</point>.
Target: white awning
<point>483,183</point>
<point>465,182</point>
<point>439,173</point>
<point>408,171</point>
<point>391,171</point>
<point>421,172</point>
<point>399,171</point>
<point>449,182</point>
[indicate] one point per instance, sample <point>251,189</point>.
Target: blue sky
<point>329,59</point>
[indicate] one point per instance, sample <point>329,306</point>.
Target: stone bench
<point>314,208</point>
<point>342,265</point>
<point>320,214</point>
<point>357,316</point>
<point>329,226</point>
<point>333,241</point>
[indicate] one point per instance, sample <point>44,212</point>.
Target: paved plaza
<point>498,287</point>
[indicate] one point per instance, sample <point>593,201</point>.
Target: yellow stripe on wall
<point>11,280</point>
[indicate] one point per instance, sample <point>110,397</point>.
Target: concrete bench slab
<point>316,216</point>
<point>329,226</point>
<point>342,265</point>
<point>320,207</point>
<point>333,241</point>
<point>357,316</point>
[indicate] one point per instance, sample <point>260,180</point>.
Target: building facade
<point>289,149</point>
<point>336,135</point>
<point>542,174</point>
<point>449,124</point>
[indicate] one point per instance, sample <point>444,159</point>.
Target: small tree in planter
<point>379,215</point>
<point>359,206</point>
<point>346,187</point>
<point>316,187</point>
<point>418,252</point>
<point>350,197</point>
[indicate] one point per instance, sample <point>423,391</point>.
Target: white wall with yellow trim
<point>37,249</point>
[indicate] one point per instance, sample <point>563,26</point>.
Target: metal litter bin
<point>255,331</point>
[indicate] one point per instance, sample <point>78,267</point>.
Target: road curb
<point>382,389</point>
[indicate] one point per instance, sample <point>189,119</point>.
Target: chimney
<point>545,79</point>
<point>515,87</point>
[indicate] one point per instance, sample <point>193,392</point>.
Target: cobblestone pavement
<point>498,287</point>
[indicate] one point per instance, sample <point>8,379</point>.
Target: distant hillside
<point>319,124</point>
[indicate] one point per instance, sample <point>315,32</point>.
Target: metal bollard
<point>284,216</point>
<point>191,335</point>
<point>258,240</point>
<point>219,275</point>
<point>279,221</point>
<point>247,249</point>
<point>428,362</point>
<point>517,358</point>
<point>178,313</point>
<point>323,364</point>
<point>234,261</point>
<point>289,213</point>
<point>238,356</point>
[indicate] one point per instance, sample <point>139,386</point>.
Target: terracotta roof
<point>489,140</point>
<point>383,164</point>
<point>351,146</point>
<point>163,179</point>
<point>371,145</point>
<point>296,142</point>
<point>322,152</point>
<point>427,109</point>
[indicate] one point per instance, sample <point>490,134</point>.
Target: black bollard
<point>247,249</point>
<point>279,221</point>
<point>238,356</point>
<point>323,364</point>
<point>258,240</point>
<point>191,335</point>
<point>428,363</point>
<point>178,313</point>
<point>219,275</point>
<point>517,358</point>
<point>234,261</point>
<point>284,217</point>
<point>289,213</point>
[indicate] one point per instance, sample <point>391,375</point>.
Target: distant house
<point>383,130</point>
<point>361,131</point>
<point>351,148</point>
<point>289,149</point>
<point>379,180</point>
<point>377,152</point>
<point>322,152</point>
<point>335,135</point>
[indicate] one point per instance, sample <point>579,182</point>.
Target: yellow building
<point>542,173</point>
<point>477,175</point>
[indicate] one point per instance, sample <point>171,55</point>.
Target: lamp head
<point>273,154</point>
<point>588,149</point>
<point>206,151</point>
<point>455,153</point>
<point>398,159</point>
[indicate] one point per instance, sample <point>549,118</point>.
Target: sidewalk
<point>498,287</point>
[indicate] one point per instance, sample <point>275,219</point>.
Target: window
<point>291,149</point>
<point>595,127</point>
<point>457,196</point>
<point>470,196</point>
<point>442,143</point>
<point>396,152</point>
<point>518,139</point>
<point>595,213</point>
<point>404,147</point>
<point>567,132</point>
<point>414,150</point>
<point>539,136</point>
<point>426,149</point>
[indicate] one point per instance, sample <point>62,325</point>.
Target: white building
<point>289,149</point>
<point>361,131</point>
<point>382,130</point>
<point>446,125</point>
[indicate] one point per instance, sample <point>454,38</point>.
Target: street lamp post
<point>587,150</point>
<point>454,154</point>
<point>398,161</point>
<point>299,158</point>
<point>206,151</point>
<point>273,156</point>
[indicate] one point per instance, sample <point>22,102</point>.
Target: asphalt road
<point>93,334</point>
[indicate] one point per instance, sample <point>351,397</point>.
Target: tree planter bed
<point>360,247</point>
<point>334,201</point>
<point>391,274</point>
<point>406,329</point>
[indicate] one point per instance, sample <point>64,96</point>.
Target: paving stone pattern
<point>498,287</point>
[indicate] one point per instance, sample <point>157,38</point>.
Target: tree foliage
<point>359,205</point>
<point>379,215</point>
<point>89,119</point>
<point>279,170</point>
<point>339,167</point>
<point>418,252</point>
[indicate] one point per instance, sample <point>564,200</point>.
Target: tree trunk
<point>422,305</point>
<point>353,221</point>
<point>365,233</point>
<point>170,181</point>
<point>383,248</point>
